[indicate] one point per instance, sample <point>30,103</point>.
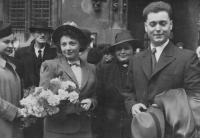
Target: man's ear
<point>171,25</point>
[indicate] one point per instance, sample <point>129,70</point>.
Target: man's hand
<point>85,104</point>
<point>136,109</point>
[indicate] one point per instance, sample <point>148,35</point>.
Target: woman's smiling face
<point>124,52</point>
<point>70,48</point>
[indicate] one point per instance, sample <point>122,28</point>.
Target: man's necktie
<point>154,61</point>
<point>40,58</point>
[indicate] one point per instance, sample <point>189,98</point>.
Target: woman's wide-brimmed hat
<point>124,36</point>
<point>5,29</point>
<point>58,33</point>
<point>149,124</point>
<point>41,25</point>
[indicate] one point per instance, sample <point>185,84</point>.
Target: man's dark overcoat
<point>176,68</point>
<point>28,57</point>
<point>115,120</point>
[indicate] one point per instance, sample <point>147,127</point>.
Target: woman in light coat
<point>10,87</point>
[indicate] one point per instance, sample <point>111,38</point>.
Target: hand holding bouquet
<point>40,102</point>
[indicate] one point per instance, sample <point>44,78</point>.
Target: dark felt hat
<point>41,25</point>
<point>58,33</point>
<point>5,29</point>
<point>149,124</point>
<point>124,36</point>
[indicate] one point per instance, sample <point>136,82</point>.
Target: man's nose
<point>42,33</point>
<point>158,27</point>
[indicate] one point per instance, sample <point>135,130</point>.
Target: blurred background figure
<point>180,45</point>
<point>115,122</point>
<point>137,50</point>
<point>83,55</point>
<point>95,56</point>
<point>108,55</point>
<point>198,52</point>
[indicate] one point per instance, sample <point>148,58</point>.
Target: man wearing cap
<point>32,57</point>
<point>162,66</point>
<point>10,86</point>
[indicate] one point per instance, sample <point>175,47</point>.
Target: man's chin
<point>124,60</point>
<point>42,42</point>
<point>159,42</point>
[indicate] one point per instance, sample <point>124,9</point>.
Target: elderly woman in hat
<point>71,121</point>
<point>10,86</point>
<point>115,120</point>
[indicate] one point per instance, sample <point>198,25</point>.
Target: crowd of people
<point>120,85</point>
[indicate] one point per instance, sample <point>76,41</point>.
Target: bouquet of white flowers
<point>40,102</point>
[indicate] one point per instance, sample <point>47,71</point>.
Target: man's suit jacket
<point>71,123</point>
<point>176,68</point>
<point>27,56</point>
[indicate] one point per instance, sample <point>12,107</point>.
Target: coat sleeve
<point>192,76</point>
<point>8,111</point>
<point>129,92</point>
<point>47,72</point>
<point>93,96</point>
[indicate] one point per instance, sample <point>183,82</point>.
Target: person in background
<point>95,56</point>
<point>71,121</point>
<point>138,50</point>
<point>10,86</point>
<point>84,54</point>
<point>161,67</point>
<point>115,120</point>
<point>32,57</point>
<point>181,45</point>
<point>108,55</point>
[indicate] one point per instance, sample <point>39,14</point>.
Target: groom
<point>162,66</point>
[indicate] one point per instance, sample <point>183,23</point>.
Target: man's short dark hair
<point>95,55</point>
<point>156,7</point>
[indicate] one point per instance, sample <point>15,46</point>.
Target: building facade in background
<point>104,18</point>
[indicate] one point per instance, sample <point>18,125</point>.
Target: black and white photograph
<point>99,68</point>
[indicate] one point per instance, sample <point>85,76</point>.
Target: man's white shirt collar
<point>159,49</point>
<point>37,49</point>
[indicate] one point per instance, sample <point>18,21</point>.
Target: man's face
<point>6,45</point>
<point>41,36</point>
<point>108,57</point>
<point>158,27</point>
